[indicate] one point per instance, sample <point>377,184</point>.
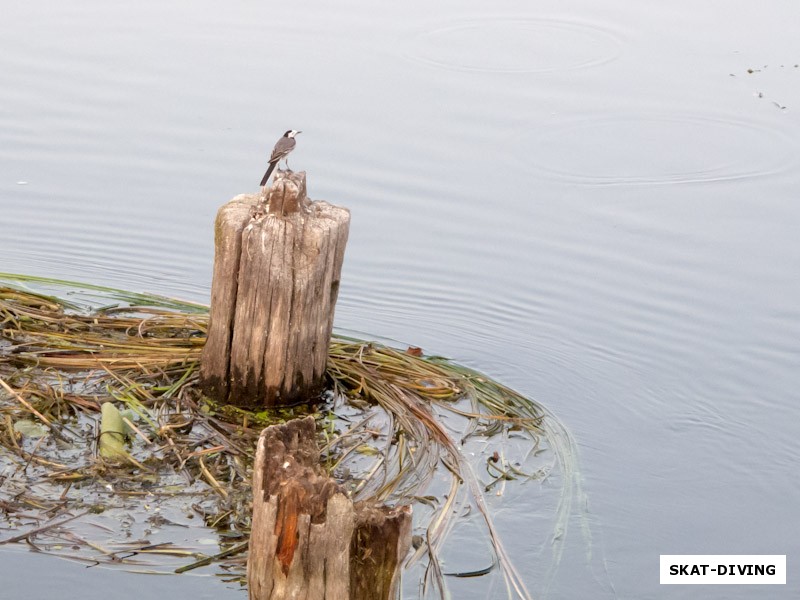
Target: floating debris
<point>103,429</point>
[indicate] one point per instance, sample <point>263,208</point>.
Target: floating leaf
<point>32,429</point>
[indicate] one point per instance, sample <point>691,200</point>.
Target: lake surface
<point>597,204</point>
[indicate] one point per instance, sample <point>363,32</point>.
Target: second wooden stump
<point>308,540</point>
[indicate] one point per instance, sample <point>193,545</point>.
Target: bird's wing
<point>282,148</point>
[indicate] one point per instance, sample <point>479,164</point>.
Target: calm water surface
<point>595,203</point>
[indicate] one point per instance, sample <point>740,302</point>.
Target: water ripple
<point>506,45</point>
<point>648,149</point>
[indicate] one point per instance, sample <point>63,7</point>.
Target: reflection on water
<point>505,167</point>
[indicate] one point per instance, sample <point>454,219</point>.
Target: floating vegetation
<point>107,445</point>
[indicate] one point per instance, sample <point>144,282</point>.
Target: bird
<point>281,150</point>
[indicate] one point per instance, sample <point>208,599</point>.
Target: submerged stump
<point>277,266</point>
<point>308,540</point>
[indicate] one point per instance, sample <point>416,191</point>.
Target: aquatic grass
<point>384,438</point>
<point>87,295</point>
<point>405,385</point>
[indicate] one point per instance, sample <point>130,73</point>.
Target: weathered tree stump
<point>277,268</point>
<point>308,540</point>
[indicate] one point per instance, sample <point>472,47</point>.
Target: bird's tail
<point>268,173</point>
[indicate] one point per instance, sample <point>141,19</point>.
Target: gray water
<point>595,203</point>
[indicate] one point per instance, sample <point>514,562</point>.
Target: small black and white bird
<point>281,150</point>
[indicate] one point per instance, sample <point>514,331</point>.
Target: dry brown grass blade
<point>37,530</point>
<point>25,403</point>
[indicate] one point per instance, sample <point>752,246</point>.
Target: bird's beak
<point>298,132</point>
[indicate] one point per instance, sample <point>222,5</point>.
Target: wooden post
<point>308,541</point>
<point>276,278</point>
<point>381,540</point>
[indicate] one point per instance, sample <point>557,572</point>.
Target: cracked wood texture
<point>277,266</point>
<point>308,540</point>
